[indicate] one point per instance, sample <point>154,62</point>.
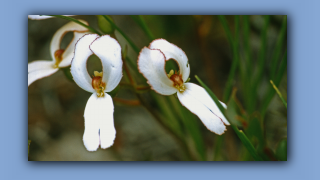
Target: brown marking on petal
<point>58,56</point>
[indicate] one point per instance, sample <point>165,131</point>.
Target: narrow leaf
<point>281,151</point>
<point>279,93</point>
<point>245,141</point>
<point>139,20</point>
<point>76,21</point>
<point>134,47</point>
<point>104,25</point>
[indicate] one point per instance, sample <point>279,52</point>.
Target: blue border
<point>303,91</point>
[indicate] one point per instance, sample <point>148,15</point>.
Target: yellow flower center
<point>177,81</point>
<point>97,83</point>
<point>58,57</point>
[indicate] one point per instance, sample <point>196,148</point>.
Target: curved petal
<point>79,62</point>
<point>99,126</point>
<point>201,94</point>
<point>151,63</point>
<point>172,51</point>
<point>40,69</point>
<point>193,101</point>
<point>109,52</point>
<point>69,51</point>
<point>38,17</point>
<point>57,37</point>
<point>39,65</point>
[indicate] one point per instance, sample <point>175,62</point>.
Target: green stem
<point>78,22</point>
<point>134,47</point>
<point>139,20</point>
<point>245,141</point>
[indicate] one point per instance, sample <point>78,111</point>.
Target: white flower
<point>98,113</point>
<point>151,64</point>
<point>38,17</point>
<point>61,58</point>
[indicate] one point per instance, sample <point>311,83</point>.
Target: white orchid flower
<point>39,17</point>
<point>151,63</point>
<point>98,113</point>
<point>61,58</point>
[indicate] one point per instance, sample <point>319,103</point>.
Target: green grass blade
<point>245,141</point>
<point>104,25</point>
<point>279,93</point>
<point>247,46</point>
<point>261,62</point>
<point>235,60</point>
<point>270,92</point>
<point>192,127</point>
<point>278,47</point>
<point>134,47</point>
<point>281,151</point>
<point>217,149</point>
<point>78,22</point>
<point>139,20</point>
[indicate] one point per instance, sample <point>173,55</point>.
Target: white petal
<point>109,52</point>
<point>172,51</point>
<point>39,65</point>
<point>38,17</point>
<point>57,37</point>
<point>151,64</point>
<point>69,51</point>
<point>201,94</point>
<point>79,62</point>
<point>194,101</point>
<point>99,126</point>
<point>40,69</point>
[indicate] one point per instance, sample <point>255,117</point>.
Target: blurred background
<point>236,56</point>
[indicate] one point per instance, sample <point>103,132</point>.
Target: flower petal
<point>151,64</point>
<point>99,126</point>
<point>198,102</point>
<point>38,17</point>
<point>79,62</point>
<point>109,52</point>
<point>172,51</point>
<point>201,94</point>
<point>69,51</point>
<point>39,65</point>
<point>57,37</point>
<point>40,69</point>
